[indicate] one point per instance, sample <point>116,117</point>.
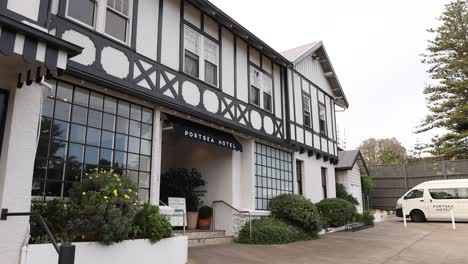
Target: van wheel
<point>417,216</point>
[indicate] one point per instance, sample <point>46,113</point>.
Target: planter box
<point>172,250</point>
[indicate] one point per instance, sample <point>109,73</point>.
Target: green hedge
<point>296,210</point>
<point>336,212</point>
<point>268,230</point>
<point>366,217</point>
<point>342,193</point>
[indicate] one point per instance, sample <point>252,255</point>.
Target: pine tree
<point>447,56</point>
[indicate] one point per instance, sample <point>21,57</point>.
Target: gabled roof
<point>347,159</point>
<point>317,49</point>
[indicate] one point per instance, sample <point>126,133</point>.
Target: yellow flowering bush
<point>106,206</point>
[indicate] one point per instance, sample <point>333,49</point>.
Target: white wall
<point>147,36</point>
<point>351,179</point>
<point>16,167</point>
<point>312,177</point>
<point>313,71</point>
<point>168,251</point>
<point>27,8</point>
<point>242,66</point>
<point>227,54</point>
<point>170,34</point>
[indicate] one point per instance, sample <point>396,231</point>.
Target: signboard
<point>177,203</point>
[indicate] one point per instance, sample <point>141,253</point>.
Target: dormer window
<point>200,56</point>
<point>110,17</point>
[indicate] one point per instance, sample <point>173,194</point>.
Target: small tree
<point>383,151</point>
<point>367,184</point>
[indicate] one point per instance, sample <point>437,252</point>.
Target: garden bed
<point>172,250</point>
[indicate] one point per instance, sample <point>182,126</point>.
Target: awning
<point>30,52</point>
<point>204,134</point>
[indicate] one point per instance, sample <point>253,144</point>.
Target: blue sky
<point>374,46</point>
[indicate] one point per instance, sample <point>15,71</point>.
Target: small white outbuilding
<point>351,166</point>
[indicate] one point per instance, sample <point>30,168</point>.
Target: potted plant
<point>204,217</point>
<point>184,183</point>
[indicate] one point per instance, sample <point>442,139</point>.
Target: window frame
<point>202,57</point>
<point>304,111</point>
<point>299,176</point>
<point>84,98</point>
<point>325,123</point>
<point>262,89</point>
<point>100,15</point>
<point>324,176</point>
<point>274,174</point>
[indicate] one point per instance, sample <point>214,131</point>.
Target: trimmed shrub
<point>106,205</point>
<point>366,217</point>
<point>268,230</point>
<point>336,212</point>
<point>342,193</point>
<point>296,210</point>
<point>148,223</point>
<point>102,208</point>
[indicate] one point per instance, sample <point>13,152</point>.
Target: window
<point>415,194</point>
<point>455,193</point>
<point>211,61</point>
<point>3,111</point>
<point>306,109</point>
<point>324,183</point>
<point>273,174</point>
<point>83,10</point>
<point>113,19</point>
<point>200,56</point>
<point>322,119</point>
<point>261,85</point>
<point>82,130</point>
<point>117,18</point>
<point>299,176</point>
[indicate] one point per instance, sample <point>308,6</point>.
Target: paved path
<point>386,243</point>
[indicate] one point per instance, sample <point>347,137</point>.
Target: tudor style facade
<point>138,67</point>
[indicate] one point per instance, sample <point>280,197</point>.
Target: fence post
<point>405,176</point>
<point>444,169</point>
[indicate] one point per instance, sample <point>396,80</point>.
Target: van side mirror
<point>405,198</point>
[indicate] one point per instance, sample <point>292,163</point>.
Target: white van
<point>433,200</point>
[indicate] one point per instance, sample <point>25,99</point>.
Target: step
<point>210,241</point>
<point>200,234</point>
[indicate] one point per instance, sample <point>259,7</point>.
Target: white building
<point>351,166</point>
<point>128,76</point>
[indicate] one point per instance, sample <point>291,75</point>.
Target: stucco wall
<point>168,251</point>
<point>16,167</point>
<point>312,179</point>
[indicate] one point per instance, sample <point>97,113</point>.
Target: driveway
<point>388,242</point>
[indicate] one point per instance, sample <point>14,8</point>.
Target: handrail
<point>235,209</point>
<point>177,210</point>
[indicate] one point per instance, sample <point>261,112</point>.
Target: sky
<point>375,49</point>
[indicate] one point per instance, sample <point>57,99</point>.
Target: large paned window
<point>113,19</point>
<point>273,174</point>
<point>261,89</point>
<point>200,56</point>
<point>324,182</point>
<point>82,130</point>
<point>306,110</point>
<point>322,119</point>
